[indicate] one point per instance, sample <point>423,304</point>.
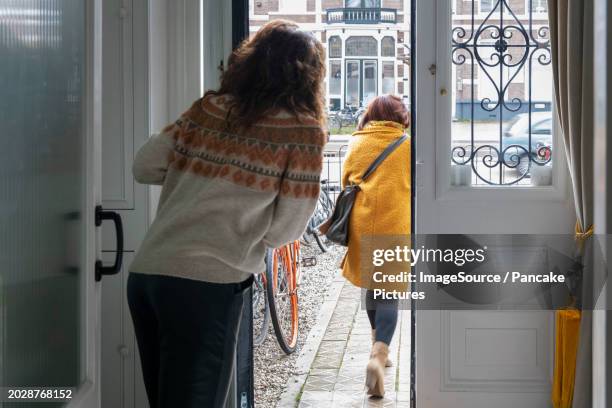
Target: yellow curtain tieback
<point>582,236</point>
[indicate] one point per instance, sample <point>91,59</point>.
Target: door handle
<point>101,216</point>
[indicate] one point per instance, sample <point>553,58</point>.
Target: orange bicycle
<point>283,273</point>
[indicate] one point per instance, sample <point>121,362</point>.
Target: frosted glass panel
<point>369,81</point>
<point>352,83</point>
<point>42,73</point>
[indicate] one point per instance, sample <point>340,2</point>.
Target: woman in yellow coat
<point>382,208</point>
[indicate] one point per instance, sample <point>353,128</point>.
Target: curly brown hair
<point>279,68</point>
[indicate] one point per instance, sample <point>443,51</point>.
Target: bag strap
<point>381,158</point>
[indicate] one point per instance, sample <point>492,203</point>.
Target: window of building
<point>335,47</point>
<point>387,47</point>
<point>362,3</point>
<point>486,6</point>
<point>361,46</point>
<point>388,77</point>
<point>538,6</point>
<point>335,77</point>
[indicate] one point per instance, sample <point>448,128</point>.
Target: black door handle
<point>102,215</point>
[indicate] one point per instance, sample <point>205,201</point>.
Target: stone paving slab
<point>337,375</point>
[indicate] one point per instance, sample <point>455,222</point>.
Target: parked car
<point>516,133</point>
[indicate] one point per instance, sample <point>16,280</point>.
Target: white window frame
<point>535,13</point>
<point>443,110</point>
<point>292,6</point>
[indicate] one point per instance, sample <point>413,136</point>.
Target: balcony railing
<point>361,15</point>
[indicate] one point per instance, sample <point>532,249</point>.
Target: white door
<point>125,104</point>
<point>482,358</point>
<point>50,182</point>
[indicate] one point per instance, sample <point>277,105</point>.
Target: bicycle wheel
<point>281,272</point>
<point>320,242</point>
<point>261,312</point>
<point>324,210</point>
<point>334,123</point>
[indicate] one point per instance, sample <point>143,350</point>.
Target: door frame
<point>602,315</point>
<point>88,392</point>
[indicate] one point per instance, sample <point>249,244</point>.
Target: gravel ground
<point>273,367</point>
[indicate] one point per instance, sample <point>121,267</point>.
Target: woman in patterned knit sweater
<point>240,172</point>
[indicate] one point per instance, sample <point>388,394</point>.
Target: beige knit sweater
<point>227,196</point>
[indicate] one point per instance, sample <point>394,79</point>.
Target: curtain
<point>571,35</point>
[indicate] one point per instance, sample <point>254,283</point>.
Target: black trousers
<point>186,332</point>
<point>382,314</point>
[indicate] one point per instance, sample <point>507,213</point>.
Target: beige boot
<point>389,363</point>
<point>375,371</point>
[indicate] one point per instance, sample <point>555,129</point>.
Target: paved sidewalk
<point>337,375</point>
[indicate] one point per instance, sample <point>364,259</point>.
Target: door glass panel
<point>369,81</point>
<point>502,89</point>
<point>352,83</point>
<point>388,77</point>
<point>335,78</point>
<point>42,76</point>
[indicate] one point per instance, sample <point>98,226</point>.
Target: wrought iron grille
<point>503,46</point>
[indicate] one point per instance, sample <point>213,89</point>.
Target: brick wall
<point>265,6</point>
<point>515,90</point>
<point>325,4</point>
<point>465,7</point>
<point>396,4</point>
<point>298,18</point>
<point>518,6</point>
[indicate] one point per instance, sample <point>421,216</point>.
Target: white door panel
<point>125,128</point>
<point>489,351</point>
<point>475,359</point>
<point>125,107</point>
<point>122,382</point>
<point>118,105</point>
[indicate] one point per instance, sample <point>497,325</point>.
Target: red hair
<point>386,107</point>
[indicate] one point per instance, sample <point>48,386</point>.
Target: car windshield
<point>520,123</point>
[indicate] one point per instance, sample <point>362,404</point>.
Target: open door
<point>484,91</point>
<point>50,181</point>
